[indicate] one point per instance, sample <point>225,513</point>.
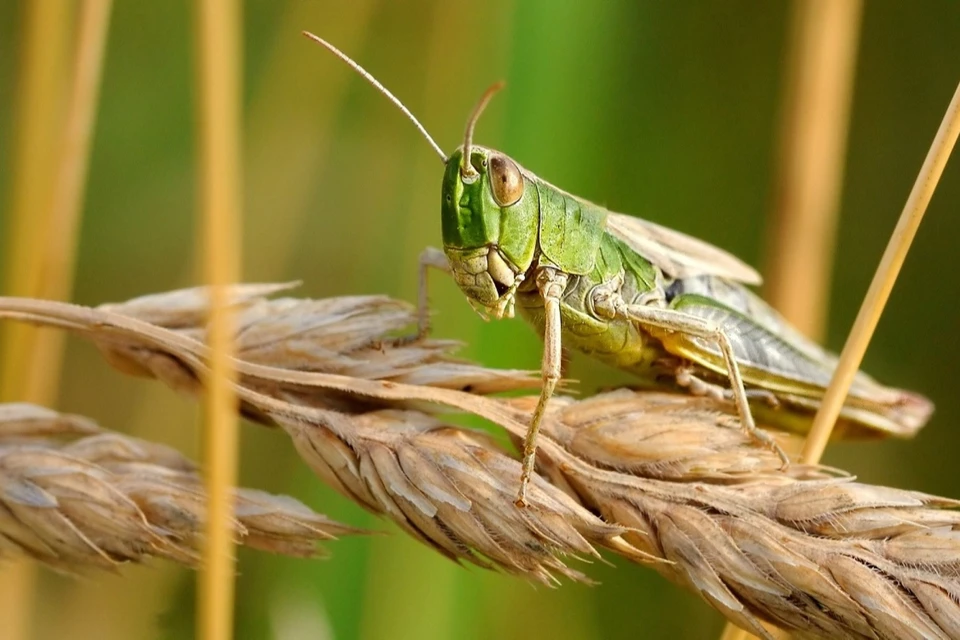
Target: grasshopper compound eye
<point>505,180</point>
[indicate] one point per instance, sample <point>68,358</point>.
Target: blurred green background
<point>665,110</point>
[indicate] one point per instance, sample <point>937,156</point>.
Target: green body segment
<point>571,231</point>
<point>614,341</point>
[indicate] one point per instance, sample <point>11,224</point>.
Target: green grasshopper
<point>669,308</point>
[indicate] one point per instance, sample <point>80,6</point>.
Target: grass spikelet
<point>77,497</point>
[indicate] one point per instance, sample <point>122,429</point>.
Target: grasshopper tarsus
<point>765,439</point>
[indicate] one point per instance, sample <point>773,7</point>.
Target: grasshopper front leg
<point>430,258</point>
<point>551,284</point>
<point>678,322</point>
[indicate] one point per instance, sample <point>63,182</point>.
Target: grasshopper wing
<point>677,254</point>
<point>792,367</point>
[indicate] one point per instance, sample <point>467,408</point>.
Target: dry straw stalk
<point>661,479</point>
<point>218,153</point>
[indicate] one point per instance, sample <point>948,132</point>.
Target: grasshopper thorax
<point>490,219</point>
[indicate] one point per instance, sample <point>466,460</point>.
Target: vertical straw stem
<point>883,280</point>
<point>40,75</point>
<point>813,140</point>
<point>57,270</point>
<point>822,51</point>
<point>38,123</point>
<point>44,232</point>
<point>218,56</point>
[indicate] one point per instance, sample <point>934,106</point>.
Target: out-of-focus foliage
<point>665,110</point>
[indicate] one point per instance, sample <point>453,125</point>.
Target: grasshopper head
<point>490,219</point>
<point>490,208</point>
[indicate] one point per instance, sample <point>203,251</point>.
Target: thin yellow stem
<point>218,54</point>
<point>39,83</point>
<point>883,280</point>
<point>38,125</point>
<point>17,588</point>
<point>59,253</point>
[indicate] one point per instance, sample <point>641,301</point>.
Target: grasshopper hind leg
<point>665,323</point>
<point>551,284</point>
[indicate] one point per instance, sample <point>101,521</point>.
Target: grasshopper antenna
<point>467,172</point>
<point>379,87</point>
